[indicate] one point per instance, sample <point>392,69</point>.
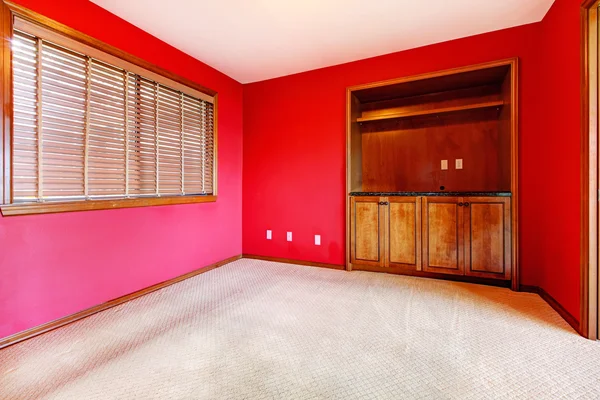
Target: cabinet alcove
<point>432,174</point>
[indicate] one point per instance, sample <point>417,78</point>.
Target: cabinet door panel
<point>366,231</point>
<point>404,232</point>
<point>442,235</point>
<point>488,243</point>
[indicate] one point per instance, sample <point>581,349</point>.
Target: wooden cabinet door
<point>487,229</point>
<point>443,247</point>
<point>403,232</point>
<point>367,231</point>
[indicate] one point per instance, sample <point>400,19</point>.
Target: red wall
<point>294,173</point>
<point>294,149</point>
<point>54,265</point>
<point>554,182</point>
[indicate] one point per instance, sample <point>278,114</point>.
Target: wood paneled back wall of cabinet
<point>408,153</point>
<point>398,134</point>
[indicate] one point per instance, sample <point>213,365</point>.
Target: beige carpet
<point>260,330</point>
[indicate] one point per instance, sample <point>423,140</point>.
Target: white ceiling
<point>253,40</point>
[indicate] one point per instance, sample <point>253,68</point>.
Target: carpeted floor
<point>260,330</point>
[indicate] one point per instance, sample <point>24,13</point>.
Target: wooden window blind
<point>86,129</point>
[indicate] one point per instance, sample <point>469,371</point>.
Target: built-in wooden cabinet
<point>403,232</point>
<point>367,231</point>
<point>386,232</point>
<point>487,233</point>
<point>443,241</point>
<point>432,174</point>
<point>467,236</point>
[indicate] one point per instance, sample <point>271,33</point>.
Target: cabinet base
<point>423,274</point>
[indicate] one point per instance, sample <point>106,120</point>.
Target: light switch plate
<point>444,164</point>
<point>459,164</point>
<point>317,240</point>
<point>289,236</point>
<point>269,235</point>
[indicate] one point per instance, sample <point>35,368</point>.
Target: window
<point>88,126</point>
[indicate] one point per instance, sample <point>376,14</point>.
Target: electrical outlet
<point>459,164</point>
<point>269,235</point>
<point>289,236</point>
<point>444,165</point>
<point>317,240</point>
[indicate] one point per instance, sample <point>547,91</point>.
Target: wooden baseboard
<point>38,330</point>
<point>297,262</point>
<point>410,271</point>
<point>571,320</point>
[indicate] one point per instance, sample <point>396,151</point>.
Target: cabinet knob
<point>467,204</point>
<point>460,204</point>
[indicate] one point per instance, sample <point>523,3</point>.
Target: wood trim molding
<point>38,330</point>
<point>571,320</point>
<point>513,63</point>
<point>436,74</point>
<point>410,271</point>
<point>295,262</point>
<point>8,11</point>
<point>514,168</point>
<point>89,205</point>
<point>6,105</point>
<point>589,301</point>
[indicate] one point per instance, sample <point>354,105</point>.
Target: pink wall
<point>294,173</point>
<point>54,265</point>
<point>294,148</point>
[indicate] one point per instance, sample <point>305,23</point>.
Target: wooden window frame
<point>8,12</point>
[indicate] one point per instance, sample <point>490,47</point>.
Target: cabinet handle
<point>467,204</point>
<point>460,204</point>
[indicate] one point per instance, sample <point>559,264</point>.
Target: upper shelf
<point>446,110</point>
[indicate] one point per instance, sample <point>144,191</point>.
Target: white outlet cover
<point>444,164</point>
<point>289,236</point>
<point>269,235</point>
<point>459,163</point>
<point>317,240</point>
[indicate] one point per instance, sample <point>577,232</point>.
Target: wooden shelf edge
<point>90,205</point>
<point>433,111</point>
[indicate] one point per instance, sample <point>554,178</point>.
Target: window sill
<point>88,205</point>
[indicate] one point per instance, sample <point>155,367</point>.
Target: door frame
<point>590,195</point>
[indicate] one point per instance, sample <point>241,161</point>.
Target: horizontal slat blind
<point>141,104</point>
<point>208,146</point>
<point>106,142</point>
<point>85,129</point>
<point>169,141</point>
<point>25,119</point>
<point>63,77</point>
<point>193,142</point>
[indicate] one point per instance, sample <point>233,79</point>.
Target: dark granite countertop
<point>433,194</point>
